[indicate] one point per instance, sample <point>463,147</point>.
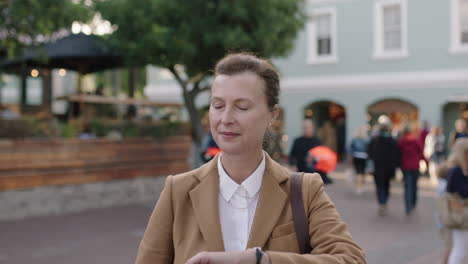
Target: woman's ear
<point>275,113</point>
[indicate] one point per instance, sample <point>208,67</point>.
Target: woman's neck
<point>240,167</point>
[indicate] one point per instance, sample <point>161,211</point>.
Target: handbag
<point>301,222</point>
<point>453,211</point>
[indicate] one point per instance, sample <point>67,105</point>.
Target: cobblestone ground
<point>111,235</point>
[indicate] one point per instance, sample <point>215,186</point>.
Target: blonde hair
<point>457,157</point>
<point>406,128</point>
<point>361,132</point>
<point>385,124</point>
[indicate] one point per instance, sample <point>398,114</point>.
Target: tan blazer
<point>185,220</point>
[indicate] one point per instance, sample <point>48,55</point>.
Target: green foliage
<point>25,20</point>
<point>129,129</point>
<point>197,33</point>
<point>69,130</point>
<point>20,128</point>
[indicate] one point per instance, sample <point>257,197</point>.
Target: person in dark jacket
<point>457,183</point>
<point>411,152</point>
<point>383,151</point>
<point>301,146</point>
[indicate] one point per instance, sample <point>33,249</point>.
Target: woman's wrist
<point>252,255</point>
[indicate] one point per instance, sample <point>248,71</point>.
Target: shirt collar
<point>228,187</point>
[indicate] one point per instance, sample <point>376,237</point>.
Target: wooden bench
<point>30,163</point>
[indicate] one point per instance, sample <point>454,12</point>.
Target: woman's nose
<point>227,116</point>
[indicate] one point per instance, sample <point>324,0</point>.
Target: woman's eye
<point>243,108</point>
<point>217,106</point>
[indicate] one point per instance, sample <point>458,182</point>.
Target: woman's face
<point>239,115</point>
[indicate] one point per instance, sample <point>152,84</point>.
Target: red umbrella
<point>211,152</point>
<point>325,158</point>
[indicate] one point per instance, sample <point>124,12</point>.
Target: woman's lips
<point>229,134</point>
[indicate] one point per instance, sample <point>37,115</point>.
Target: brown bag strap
<point>299,216</point>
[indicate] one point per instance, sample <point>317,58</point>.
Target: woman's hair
<point>406,128</point>
<point>236,63</point>
<point>458,158</point>
<point>436,130</point>
<point>361,132</point>
<point>385,124</point>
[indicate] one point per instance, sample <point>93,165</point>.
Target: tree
<point>188,37</point>
<point>29,22</point>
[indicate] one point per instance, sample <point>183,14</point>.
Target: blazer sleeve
<point>157,244</point>
<point>330,239</point>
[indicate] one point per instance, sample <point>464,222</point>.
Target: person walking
<point>302,145</point>
<point>410,154</point>
<point>459,132</point>
<point>236,208</point>
<point>358,150</point>
<point>383,151</point>
<point>457,183</point>
<point>434,152</point>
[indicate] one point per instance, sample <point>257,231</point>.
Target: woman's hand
<point>237,257</point>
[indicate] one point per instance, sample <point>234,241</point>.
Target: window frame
<point>379,38</point>
<point>312,37</point>
<point>456,45</point>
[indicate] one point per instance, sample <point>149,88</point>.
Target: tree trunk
<point>47,91</point>
<point>23,94</point>
<point>197,129</point>
<point>131,81</point>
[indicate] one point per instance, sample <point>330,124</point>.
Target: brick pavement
<point>111,235</point>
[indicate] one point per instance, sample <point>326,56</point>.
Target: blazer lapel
<point>271,202</point>
<point>205,204</point>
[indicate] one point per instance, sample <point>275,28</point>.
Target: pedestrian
<point>301,146</point>
<point>457,183</point>
<point>239,200</point>
<point>459,132</point>
<point>445,232</point>
<point>358,149</point>
<point>434,151</point>
<point>383,151</point>
<point>422,138</point>
<point>327,135</point>
<point>411,153</point>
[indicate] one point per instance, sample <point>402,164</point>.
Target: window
<point>321,31</point>
<point>459,26</point>
<point>390,29</point>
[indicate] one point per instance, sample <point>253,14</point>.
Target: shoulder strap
<point>299,217</point>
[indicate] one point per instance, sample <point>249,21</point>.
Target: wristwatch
<point>258,254</point>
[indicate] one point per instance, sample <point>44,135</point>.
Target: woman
<point>434,151</point>
<point>411,152</point>
<point>359,153</point>
<point>240,200</point>
<point>457,182</point>
<point>383,151</point>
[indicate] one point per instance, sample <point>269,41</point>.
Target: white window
<point>459,26</point>
<point>321,33</point>
<point>390,33</point>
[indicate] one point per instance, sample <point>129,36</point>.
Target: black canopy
<point>77,52</point>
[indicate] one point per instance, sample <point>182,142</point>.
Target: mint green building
<point>357,59</point>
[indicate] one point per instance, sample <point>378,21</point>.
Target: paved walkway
<point>111,236</point>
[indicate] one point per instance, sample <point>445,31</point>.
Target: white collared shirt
<point>237,204</point>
